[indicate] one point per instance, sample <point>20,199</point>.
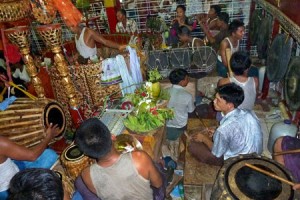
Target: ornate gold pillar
<point>19,36</point>
<point>51,35</point>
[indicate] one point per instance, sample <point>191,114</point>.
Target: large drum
<point>74,161</point>
<point>237,181</point>
<point>25,120</point>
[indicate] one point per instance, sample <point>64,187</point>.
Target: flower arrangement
<point>148,114</point>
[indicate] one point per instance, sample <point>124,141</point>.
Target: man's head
<point>228,97</point>
<point>93,138</point>
<point>179,77</point>
<point>236,29</point>
<point>240,62</point>
<point>214,11</point>
<point>121,15</point>
<point>183,34</point>
<point>180,10</point>
<point>36,184</point>
<point>223,19</point>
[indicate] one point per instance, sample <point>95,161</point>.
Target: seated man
<point>38,157</point>
<point>184,35</point>
<point>115,176</point>
<point>215,40</point>
<point>125,25</point>
<point>37,184</point>
<point>86,39</point>
<point>239,131</point>
<point>240,64</point>
<point>290,161</point>
<point>236,31</point>
<point>210,19</point>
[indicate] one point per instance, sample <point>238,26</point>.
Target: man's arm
<point>200,137</point>
<point>224,45</point>
<point>146,168</point>
<point>223,81</point>
<point>14,151</point>
<point>86,177</point>
<point>98,38</point>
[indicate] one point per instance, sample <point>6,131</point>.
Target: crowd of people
<point>133,175</point>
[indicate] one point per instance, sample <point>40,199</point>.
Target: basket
<point>149,133</point>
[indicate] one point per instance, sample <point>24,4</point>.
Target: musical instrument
<point>74,161</point>
<point>68,184</point>
<point>237,181</point>
<point>25,120</point>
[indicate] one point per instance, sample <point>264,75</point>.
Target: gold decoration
<point>19,36</point>
<point>51,35</point>
<point>290,26</point>
<point>14,10</point>
<point>43,11</point>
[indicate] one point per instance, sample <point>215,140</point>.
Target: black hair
<point>183,30</point>
<point>36,184</point>
<point>182,7</point>
<point>223,16</point>
<point>123,11</point>
<point>231,93</point>
<point>217,9</point>
<point>93,138</point>
<point>177,75</point>
<point>239,62</point>
<point>234,25</point>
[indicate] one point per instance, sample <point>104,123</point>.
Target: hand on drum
<point>52,130</point>
<point>296,186</point>
<point>200,137</point>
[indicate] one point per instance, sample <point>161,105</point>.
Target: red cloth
<point>12,53</point>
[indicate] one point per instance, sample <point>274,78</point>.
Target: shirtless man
<point>86,40</point>
<point>115,175</point>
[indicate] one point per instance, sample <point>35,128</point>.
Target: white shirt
<point>84,50</point>
<point>182,103</point>
<point>7,170</point>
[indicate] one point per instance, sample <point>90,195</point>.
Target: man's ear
<point>113,137</point>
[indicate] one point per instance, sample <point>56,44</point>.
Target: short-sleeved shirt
<point>131,26</point>
<point>239,133</point>
<point>182,103</point>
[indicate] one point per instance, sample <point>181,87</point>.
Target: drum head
<point>279,57</point>
<point>72,153</point>
<point>292,84</point>
<point>245,183</point>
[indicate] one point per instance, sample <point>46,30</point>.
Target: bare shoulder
<point>140,156</point>
<point>223,81</point>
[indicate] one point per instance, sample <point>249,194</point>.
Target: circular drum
<point>66,181</point>
<point>74,160</point>
<point>25,120</point>
<point>237,181</point>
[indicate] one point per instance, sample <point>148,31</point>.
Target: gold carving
<point>290,26</point>
<point>51,35</point>
<point>14,10</point>
<point>19,36</point>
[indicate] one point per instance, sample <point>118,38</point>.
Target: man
<point>239,131</point>
<point>36,184</point>
<point>125,25</point>
<point>236,33</point>
<point>215,40</point>
<point>240,64</point>
<point>14,158</point>
<point>184,35</point>
<point>114,176</point>
<point>86,40</point>
<point>210,19</point>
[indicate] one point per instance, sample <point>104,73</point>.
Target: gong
<point>278,57</point>
<point>237,181</point>
<point>291,84</point>
<point>263,33</point>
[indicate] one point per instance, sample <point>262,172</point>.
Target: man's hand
<point>199,137</point>
<point>122,47</point>
<point>297,186</point>
<point>52,130</point>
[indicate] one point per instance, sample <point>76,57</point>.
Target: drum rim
<point>67,149</point>
<point>230,162</point>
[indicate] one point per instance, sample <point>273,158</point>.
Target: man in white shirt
<point>125,25</point>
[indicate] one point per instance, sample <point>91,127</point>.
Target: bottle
<point>279,129</point>
<point>181,190</point>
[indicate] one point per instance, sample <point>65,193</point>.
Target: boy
<point>182,103</point>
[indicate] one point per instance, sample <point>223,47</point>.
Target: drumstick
<point>228,56</point>
<point>270,174</point>
<point>286,152</point>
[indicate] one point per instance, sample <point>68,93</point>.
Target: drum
<point>68,184</point>
<point>74,161</point>
<point>237,181</point>
<point>25,120</point>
